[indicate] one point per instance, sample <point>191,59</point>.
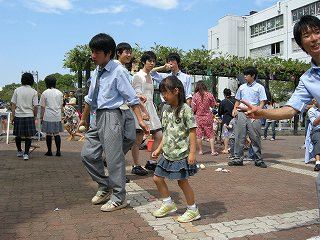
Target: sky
<point>36,34</point>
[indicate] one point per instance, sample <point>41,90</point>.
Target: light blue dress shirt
<point>253,93</point>
<point>313,114</point>
<point>308,88</point>
<point>184,78</point>
<point>115,88</point>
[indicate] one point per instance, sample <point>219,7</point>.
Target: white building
<point>266,33</point>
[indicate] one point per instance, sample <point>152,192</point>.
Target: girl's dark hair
<point>50,81</point>
<point>148,55</point>
<point>27,79</point>
<point>227,92</point>
<point>305,22</point>
<point>121,47</point>
<point>170,83</point>
<point>103,42</point>
<point>201,87</point>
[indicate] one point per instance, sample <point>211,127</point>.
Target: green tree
<point>78,60</point>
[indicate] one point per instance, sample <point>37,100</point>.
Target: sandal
<point>225,151</point>
<point>214,154</point>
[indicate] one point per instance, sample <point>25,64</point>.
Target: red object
<point>149,145</point>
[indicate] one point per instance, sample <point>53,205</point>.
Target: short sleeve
<point>137,84</point>
<point>189,117</point>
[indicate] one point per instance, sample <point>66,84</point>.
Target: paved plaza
<point>50,198</point>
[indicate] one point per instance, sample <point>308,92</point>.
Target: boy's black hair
<point>170,83</point>
<point>227,92</point>
<point>252,71</point>
<point>148,55</point>
<point>305,22</point>
<point>50,81</point>
<point>173,56</point>
<point>121,47</point>
<point>27,79</point>
<point>103,42</point>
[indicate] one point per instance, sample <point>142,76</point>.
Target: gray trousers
<point>253,129</point>
<point>107,134</point>
<point>315,139</point>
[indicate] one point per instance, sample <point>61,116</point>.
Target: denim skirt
<point>174,170</point>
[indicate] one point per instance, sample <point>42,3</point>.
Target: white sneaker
<point>112,206</point>
<point>25,157</point>
<point>101,197</point>
<point>19,153</point>
<point>272,139</point>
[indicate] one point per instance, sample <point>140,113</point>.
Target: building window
<point>267,26</point>
<point>295,46</point>
<point>310,9</point>
<point>275,48</point>
<point>218,43</point>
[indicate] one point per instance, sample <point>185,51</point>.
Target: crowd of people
<point>122,111</point>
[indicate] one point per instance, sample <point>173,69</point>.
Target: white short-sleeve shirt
<point>52,100</point>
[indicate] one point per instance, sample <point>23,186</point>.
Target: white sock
<point>193,207</point>
<point>167,201</point>
<point>318,162</point>
<point>152,161</point>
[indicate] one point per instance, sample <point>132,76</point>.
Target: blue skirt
<point>174,170</point>
<point>24,127</point>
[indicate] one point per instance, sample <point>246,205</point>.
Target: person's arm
<point>317,121</point>
<point>193,146</point>
<point>42,113</point>
<point>13,111</point>
<point>35,111</point>
<point>85,115</point>
<point>188,101</point>
<point>165,67</point>
<point>142,124</point>
<point>235,108</point>
<point>155,154</point>
<point>256,112</point>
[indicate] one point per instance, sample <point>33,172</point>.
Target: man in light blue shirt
<point>173,64</point>
<point>109,89</point>
<point>307,35</point>
<point>255,94</point>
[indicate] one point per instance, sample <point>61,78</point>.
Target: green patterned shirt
<point>176,142</point>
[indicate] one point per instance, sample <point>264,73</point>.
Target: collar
<point>253,83</point>
<point>143,73</point>
<point>314,67</point>
<point>108,66</point>
<point>176,74</point>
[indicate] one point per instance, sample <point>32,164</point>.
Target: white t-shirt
<point>52,100</point>
<point>25,98</point>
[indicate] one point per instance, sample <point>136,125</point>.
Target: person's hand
<point>144,127</point>
<point>192,158</point>
<point>155,154</point>
<point>12,121</point>
<point>142,98</point>
<point>234,112</point>
<point>167,66</point>
<point>82,123</point>
<point>250,110</point>
<point>145,116</point>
